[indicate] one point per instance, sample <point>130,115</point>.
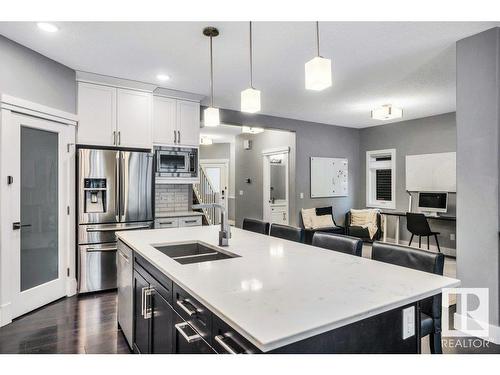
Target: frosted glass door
<point>39,207</point>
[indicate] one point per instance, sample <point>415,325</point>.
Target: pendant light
<point>250,98</point>
<point>318,70</point>
<point>211,114</point>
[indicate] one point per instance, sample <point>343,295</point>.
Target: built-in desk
<point>400,214</point>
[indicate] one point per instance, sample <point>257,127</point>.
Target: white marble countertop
<point>178,214</point>
<point>279,292</point>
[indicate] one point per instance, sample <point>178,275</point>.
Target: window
<point>381,178</point>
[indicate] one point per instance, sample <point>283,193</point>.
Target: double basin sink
<point>193,252</point>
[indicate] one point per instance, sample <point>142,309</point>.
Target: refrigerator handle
<point>117,183</point>
<point>122,186</point>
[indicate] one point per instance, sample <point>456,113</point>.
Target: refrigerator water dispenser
<point>95,195</point>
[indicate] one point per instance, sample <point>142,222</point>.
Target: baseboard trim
<point>71,287</point>
<point>5,314</point>
<point>445,250</point>
<point>494,330</point>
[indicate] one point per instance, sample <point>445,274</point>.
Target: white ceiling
<point>407,64</point>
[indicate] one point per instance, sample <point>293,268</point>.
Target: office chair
<point>418,225</point>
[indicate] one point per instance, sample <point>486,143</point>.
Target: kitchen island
<point>265,294</point>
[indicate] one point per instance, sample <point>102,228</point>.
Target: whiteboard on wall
<point>431,172</point>
<point>328,177</point>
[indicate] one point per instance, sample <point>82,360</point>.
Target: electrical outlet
<point>301,195</point>
<point>408,322</point>
<point>452,236</point>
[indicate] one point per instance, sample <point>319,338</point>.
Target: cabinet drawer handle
<point>190,221</point>
<point>124,256</point>
<point>220,339</point>
<point>180,327</point>
<point>165,222</point>
<point>182,305</point>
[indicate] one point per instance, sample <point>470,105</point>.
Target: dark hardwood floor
<point>83,324</point>
<point>87,324</point>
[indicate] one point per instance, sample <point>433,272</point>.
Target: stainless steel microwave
<point>176,162</point>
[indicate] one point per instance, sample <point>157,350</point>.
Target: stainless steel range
<point>115,193</point>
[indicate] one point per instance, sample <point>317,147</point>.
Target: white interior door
<point>39,195</point>
<point>217,173</point>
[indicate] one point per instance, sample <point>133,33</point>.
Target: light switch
<point>301,195</point>
<point>408,322</point>
<point>241,192</point>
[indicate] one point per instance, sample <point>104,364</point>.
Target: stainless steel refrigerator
<point>114,193</point>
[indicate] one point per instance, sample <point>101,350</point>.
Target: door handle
<point>148,310</point>
<point>175,136</point>
<point>17,225</point>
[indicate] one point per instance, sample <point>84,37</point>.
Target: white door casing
<point>12,302</point>
<point>266,183</point>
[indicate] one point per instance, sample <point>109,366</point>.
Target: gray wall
<point>28,75</point>
<point>422,136</point>
<point>478,123</point>
<point>249,165</point>
<point>312,139</point>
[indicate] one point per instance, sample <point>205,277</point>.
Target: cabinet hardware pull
<point>119,138</point>
<point>180,327</point>
<point>148,310</point>
<point>190,221</point>
<point>220,339</point>
<point>142,300</point>
<point>124,257</point>
<point>114,137</point>
<point>116,229</point>
<point>179,135</point>
<point>182,305</point>
<point>175,136</point>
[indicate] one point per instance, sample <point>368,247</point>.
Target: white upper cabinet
<point>176,122</point>
<point>96,114</point>
<point>134,113</point>
<point>188,123</point>
<point>164,120</point>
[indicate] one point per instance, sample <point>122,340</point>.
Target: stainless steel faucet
<point>225,229</point>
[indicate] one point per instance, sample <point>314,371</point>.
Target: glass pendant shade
<point>250,100</point>
<point>318,73</point>
<point>211,117</point>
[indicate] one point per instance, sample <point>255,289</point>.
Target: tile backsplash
<point>172,197</point>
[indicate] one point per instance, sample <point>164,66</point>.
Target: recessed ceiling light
<point>163,77</point>
<point>387,112</point>
<point>48,27</point>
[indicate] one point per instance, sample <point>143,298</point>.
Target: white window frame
<point>371,167</point>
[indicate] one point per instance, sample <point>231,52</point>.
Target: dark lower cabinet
<point>187,340</point>
<point>162,317</point>
<point>141,323</point>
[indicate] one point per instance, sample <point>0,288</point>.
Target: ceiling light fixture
<point>250,98</point>
<point>318,70</point>
<point>211,114</point>
<point>386,112</point>
<point>251,130</point>
<point>163,77</point>
<point>48,27</point>
<point>206,141</point>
